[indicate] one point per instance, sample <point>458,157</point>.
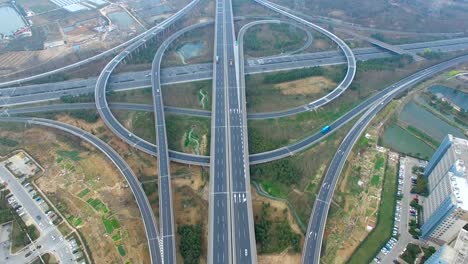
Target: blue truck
<point>325,129</point>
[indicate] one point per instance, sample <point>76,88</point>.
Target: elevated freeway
<point>316,226</point>
<point>144,206</point>
<point>135,80</point>
<point>166,214</point>
<point>318,218</point>
<point>152,31</point>
<point>316,223</point>
<point>243,234</point>
<point>219,214</point>
<point>256,158</point>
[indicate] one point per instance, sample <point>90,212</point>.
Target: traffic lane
<point>165,202</point>
<point>141,199</point>
<point>326,191</point>
<point>241,224</point>
<point>204,71</point>
<point>404,83</point>
<point>219,219</point>
<point>28,98</point>
<point>282,152</point>
<point>49,234</point>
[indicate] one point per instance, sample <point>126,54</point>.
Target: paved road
<point>219,215</point>
<point>136,80</point>
<point>314,235</point>
<point>277,154</point>
<point>108,117</point>
<point>313,242</point>
<point>50,237</point>
<point>242,233</point>
<point>406,164</point>
<point>166,213</point>
<point>115,106</point>
<point>111,51</point>
<point>142,201</point>
<point>282,152</point>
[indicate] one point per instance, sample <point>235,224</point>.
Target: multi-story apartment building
<point>445,210</point>
<point>456,254</point>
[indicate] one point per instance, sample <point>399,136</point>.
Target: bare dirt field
<point>312,85</point>
<point>72,167</point>
<point>277,206</point>
<point>16,61</point>
<point>356,200</point>
<point>284,257</point>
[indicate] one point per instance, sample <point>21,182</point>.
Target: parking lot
<point>33,211</point>
<point>403,213</point>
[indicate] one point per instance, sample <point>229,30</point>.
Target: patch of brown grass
<point>311,85</point>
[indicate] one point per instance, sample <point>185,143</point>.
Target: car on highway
<point>325,129</point>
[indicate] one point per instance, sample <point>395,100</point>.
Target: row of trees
<point>381,64</point>
<point>282,171</point>
<point>190,242</point>
<point>8,142</point>
<point>335,74</point>
<point>274,235</point>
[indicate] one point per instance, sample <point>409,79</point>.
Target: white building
<point>445,211</point>
<point>458,253</point>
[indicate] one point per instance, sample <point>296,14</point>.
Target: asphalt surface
<point>142,201</point>
<point>166,213</point>
<point>319,213</point>
<point>50,238</point>
<point>135,80</point>
<point>219,215</point>
<point>242,233</point>
<point>92,106</point>
<point>103,107</point>
<point>98,56</point>
<point>321,204</point>
<point>257,158</point>
<point>316,227</point>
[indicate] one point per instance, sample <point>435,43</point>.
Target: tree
<point>190,242</point>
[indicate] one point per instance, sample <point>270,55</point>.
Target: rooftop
<point>458,174</point>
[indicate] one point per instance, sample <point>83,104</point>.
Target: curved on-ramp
<point>267,156</point>
<point>164,176</point>
<point>344,84</point>
<point>317,220</point>
<point>156,28</point>
<point>127,136</point>
<point>110,120</point>
<point>148,218</point>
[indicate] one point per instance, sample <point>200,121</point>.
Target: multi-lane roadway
<point>166,215</point>
<point>316,227</point>
<point>231,235</point>
<point>242,232</point>
<point>134,80</point>
<point>256,158</point>
<point>149,220</point>
<point>219,215</point>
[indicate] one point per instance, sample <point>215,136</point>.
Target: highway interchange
<point>27,94</point>
<point>231,234</point>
